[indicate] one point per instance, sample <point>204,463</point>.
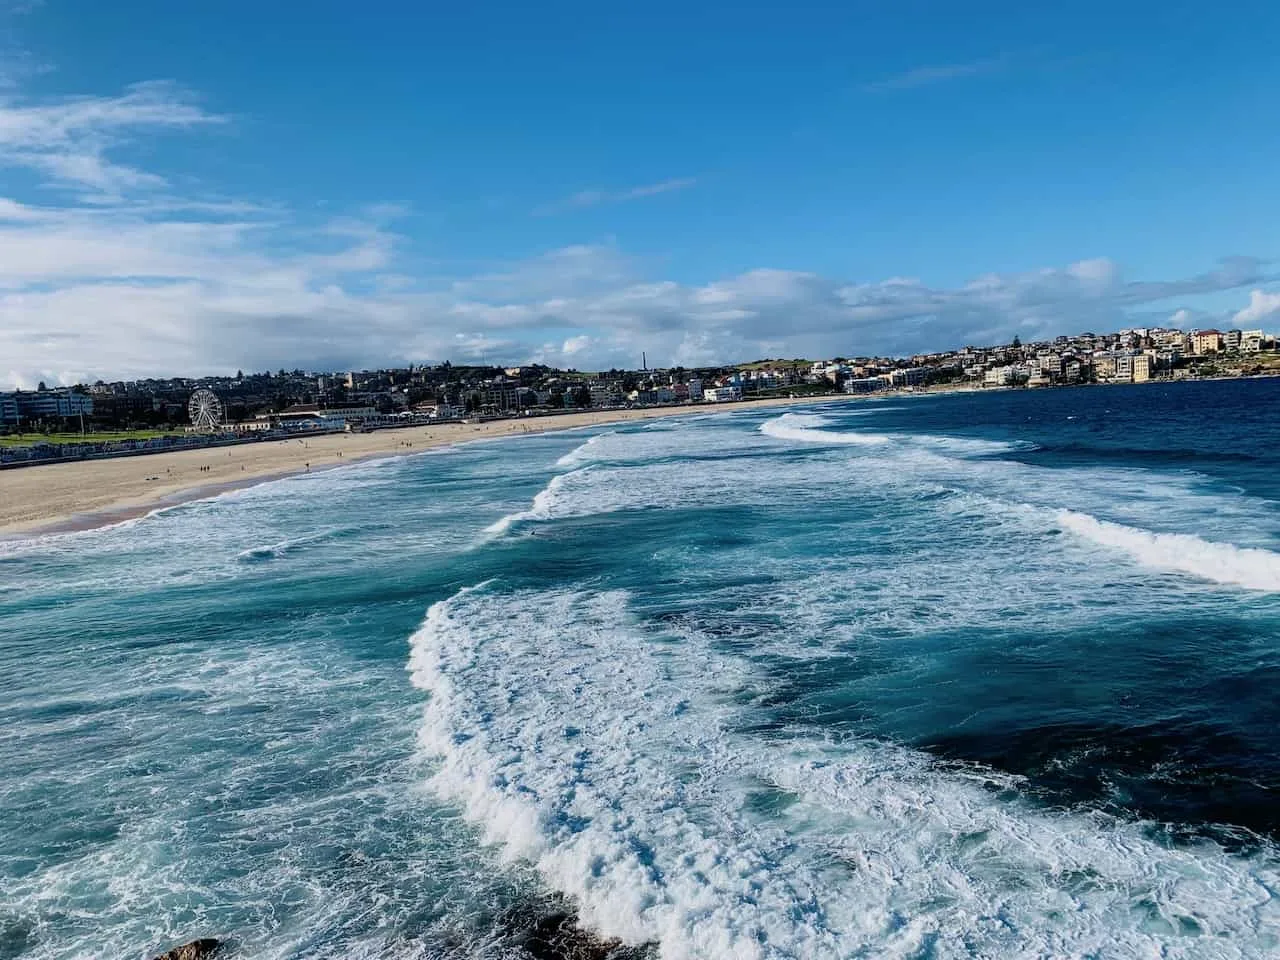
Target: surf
<point>611,756</point>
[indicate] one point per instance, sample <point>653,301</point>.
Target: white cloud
<point>121,294</point>
<point>575,345</point>
<point>69,139</point>
<point>1263,308</point>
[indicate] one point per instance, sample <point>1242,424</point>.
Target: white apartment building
<point>722,394</point>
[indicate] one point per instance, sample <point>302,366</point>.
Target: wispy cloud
<point>926,76</point>
<point>596,196</point>
<point>69,140</point>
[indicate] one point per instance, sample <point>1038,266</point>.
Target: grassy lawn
<point>27,439</point>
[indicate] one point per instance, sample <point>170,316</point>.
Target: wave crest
<point>1249,567</point>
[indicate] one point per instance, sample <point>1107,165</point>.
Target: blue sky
<point>190,188</point>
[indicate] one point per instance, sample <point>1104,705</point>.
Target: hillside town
<point>284,400</point>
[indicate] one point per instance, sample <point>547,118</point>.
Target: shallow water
<point>957,676</point>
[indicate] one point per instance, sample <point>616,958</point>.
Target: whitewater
<point>972,676</point>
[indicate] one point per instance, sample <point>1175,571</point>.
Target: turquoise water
<point>984,676</point>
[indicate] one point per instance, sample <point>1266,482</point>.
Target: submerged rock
<point>557,936</point>
<point>195,950</point>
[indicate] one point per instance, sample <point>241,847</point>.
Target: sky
<point>194,189</point>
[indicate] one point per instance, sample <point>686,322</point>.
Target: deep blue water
<point>980,675</point>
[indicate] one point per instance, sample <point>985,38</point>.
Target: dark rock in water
<point>195,950</point>
<point>557,936</point>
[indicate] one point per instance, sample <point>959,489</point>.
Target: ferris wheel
<point>205,410</point>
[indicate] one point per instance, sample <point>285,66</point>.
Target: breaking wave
<point>1249,567</point>
<point>580,454</point>
<point>541,509</point>
<point>806,428</point>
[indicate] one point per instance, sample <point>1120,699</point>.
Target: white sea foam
<point>610,757</point>
<point>282,548</point>
<point>809,428</point>
<point>806,428</point>
<point>1249,567</point>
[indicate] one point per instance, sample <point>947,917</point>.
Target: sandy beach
<point>73,496</point>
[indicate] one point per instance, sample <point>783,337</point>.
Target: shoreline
<point>71,497</point>
<point>79,495</point>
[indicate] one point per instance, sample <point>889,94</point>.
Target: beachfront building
<point>909,377</point>
<point>8,409</point>
<point>47,404</point>
<point>1050,363</point>
<point>604,393</point>
<point>502,395</point>
<point>863,384</point>
<point>998,377</point>
<point>1251,341</point>
<point>1141,368</point>
<point>1231,340</point>
<point>1206,341</point>
<point>311,414</point>
<point>722,394</point>
<point>695,389</point>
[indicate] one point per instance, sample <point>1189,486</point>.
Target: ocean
<point>979,675</point>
